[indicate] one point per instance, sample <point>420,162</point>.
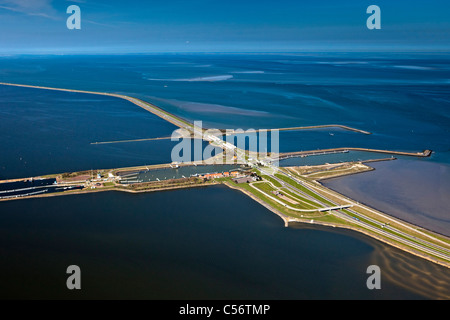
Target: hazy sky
<point>222,26</point>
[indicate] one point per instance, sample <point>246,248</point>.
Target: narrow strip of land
<point>303,128</point>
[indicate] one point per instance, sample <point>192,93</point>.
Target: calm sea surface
<point>216,242</point>
<point>187,244</point>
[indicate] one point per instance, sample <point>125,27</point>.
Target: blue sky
<point>39,26</point>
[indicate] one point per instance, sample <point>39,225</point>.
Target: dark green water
<point>208,243</point>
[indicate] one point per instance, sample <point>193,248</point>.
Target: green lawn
<point>275,182</point>
<point>301,205</point>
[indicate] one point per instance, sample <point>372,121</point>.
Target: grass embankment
<point>165,184</point>
<point>275,182</point>
<point>307,202</point>
<point>261,195</point>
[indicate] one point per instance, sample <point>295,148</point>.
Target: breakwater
<point>286,155</point>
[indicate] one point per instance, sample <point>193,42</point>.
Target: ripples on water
<point>161,245</point>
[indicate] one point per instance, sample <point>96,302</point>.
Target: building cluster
<point>220,175</point>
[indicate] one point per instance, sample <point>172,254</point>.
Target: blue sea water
<point>403,100</point>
